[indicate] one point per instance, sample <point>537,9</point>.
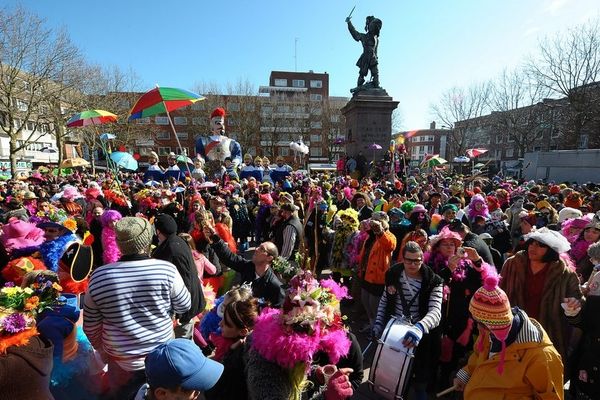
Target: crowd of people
<point>497,278</point>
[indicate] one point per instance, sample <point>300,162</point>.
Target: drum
<point>392,363</point>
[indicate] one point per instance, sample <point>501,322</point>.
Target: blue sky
<point>426,46</point>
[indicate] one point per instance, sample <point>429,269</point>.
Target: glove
<point>413,336</point>
<point>338,387</point>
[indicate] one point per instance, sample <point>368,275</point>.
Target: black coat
<point>176,251</point>
<point>474,241</point>
<point>267,287</point>
<point>588,354</point>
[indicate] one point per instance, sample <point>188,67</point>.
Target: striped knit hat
<point>490,306</point>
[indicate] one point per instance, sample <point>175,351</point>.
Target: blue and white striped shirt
<point>128,308</point>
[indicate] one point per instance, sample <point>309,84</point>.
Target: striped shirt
<point>410,288</point>
<point>128,307</point>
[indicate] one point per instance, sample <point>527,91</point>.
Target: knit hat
<point>165,224</point>
<point>449,206</point>
<point>490,306</point>
<point>134,235</point>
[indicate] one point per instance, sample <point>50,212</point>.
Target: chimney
<point>432,125</point>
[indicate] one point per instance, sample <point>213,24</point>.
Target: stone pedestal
<point>369,120</point>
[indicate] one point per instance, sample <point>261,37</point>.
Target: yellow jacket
<point>532,370</point>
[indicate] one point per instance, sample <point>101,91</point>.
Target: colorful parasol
<point>74,162</point>
<point>124,160</point>
<point>433,161</point>
<point>91,117</point>
<point>162,100</point>
<point>476,152</point>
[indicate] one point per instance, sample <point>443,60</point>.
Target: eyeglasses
<point>413,260</point>
<point>263,250</point>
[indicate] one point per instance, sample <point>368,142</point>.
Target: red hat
<point>218,112</point>
<point>554,189</point>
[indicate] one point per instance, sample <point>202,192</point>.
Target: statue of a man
<point>368,60</point>
<point>216,147</point>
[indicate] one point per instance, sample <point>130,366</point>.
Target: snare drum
<point>392,363</point>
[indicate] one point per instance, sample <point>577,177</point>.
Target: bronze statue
<point>368,60</point>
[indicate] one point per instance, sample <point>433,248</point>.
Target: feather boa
<point>356,246</point>
<point>225,233</point>
<point>287,348</point>
<point>63,372</point>
<point>53,250</point>
<point>17,339</point>
<point>210,321</point>
<point>579,249</point>
<point>110,249</point>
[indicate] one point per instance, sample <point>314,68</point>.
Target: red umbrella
<point>472,153</point>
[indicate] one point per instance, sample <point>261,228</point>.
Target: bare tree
<point>243,108</point>
<point>518,111</point>
<point>459,104</point>
<point>38,67</point>
<point>568,65</point>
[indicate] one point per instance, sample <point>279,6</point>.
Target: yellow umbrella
<point>74,162</point>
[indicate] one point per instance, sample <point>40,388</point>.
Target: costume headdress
<point>309,321</point>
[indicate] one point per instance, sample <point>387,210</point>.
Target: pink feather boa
<point>579,249</point>
<point>110,249</point>
<point>287,349</point>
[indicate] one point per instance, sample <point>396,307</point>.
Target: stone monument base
<point>368,121</point>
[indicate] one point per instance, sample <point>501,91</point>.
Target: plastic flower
<point>32,303</point>
<point>14,323</point>
<point>70,224</point>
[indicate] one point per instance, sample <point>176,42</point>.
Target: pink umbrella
<point>472,153</point>
<point>375,146</point>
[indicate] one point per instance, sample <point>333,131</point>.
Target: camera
<point>461,251</point>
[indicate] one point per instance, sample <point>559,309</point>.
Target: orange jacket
<point>379,258</point>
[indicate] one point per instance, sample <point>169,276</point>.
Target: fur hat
<point>568,213</point>
<point>552,239</point>
<point>134,235</point>
<point>595,222</point>
<point>446,233</point>
<point>17,234</point>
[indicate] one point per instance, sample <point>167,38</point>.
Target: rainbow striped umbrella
<point>91,117</point>
<point>162,100</point>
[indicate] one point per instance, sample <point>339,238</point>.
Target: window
<point>45,128</point>
<point>249,107</point>
<point>180,121</point>
<point>318,111</point>
<point>297,82</point>
<point>183,151</point>
<point>197,121</point>
<point>316,151</point>
<point>267,109</point>
<point>498,139</point>
<point>509,152</point>
<point>283,109</point>
<point>144,121</point>
<point>145,151</point>
<point>316,125</point>
<point>17,123</point>
<point>315,138</point>
<point>232,122</point>
<point>498,154</point>
<point>316,84</point>
<point>316,97</point>
<point>199,105</point>
<point>163,135</point>
<point>164,151</point>
<point>284,151</point>
<point>30,125</point>
<point>182,135</point>
<point>22,105</point>
<point>335,118</point>
<point>280,82</point>
<point>233,107</point>
<point>161,120</point>
<point>299,109</point>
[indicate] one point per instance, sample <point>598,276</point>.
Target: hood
<point>37,354</point>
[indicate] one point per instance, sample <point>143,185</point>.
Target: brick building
<point>425,141</point>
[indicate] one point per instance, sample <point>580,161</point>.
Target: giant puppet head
<point>217,121</point>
